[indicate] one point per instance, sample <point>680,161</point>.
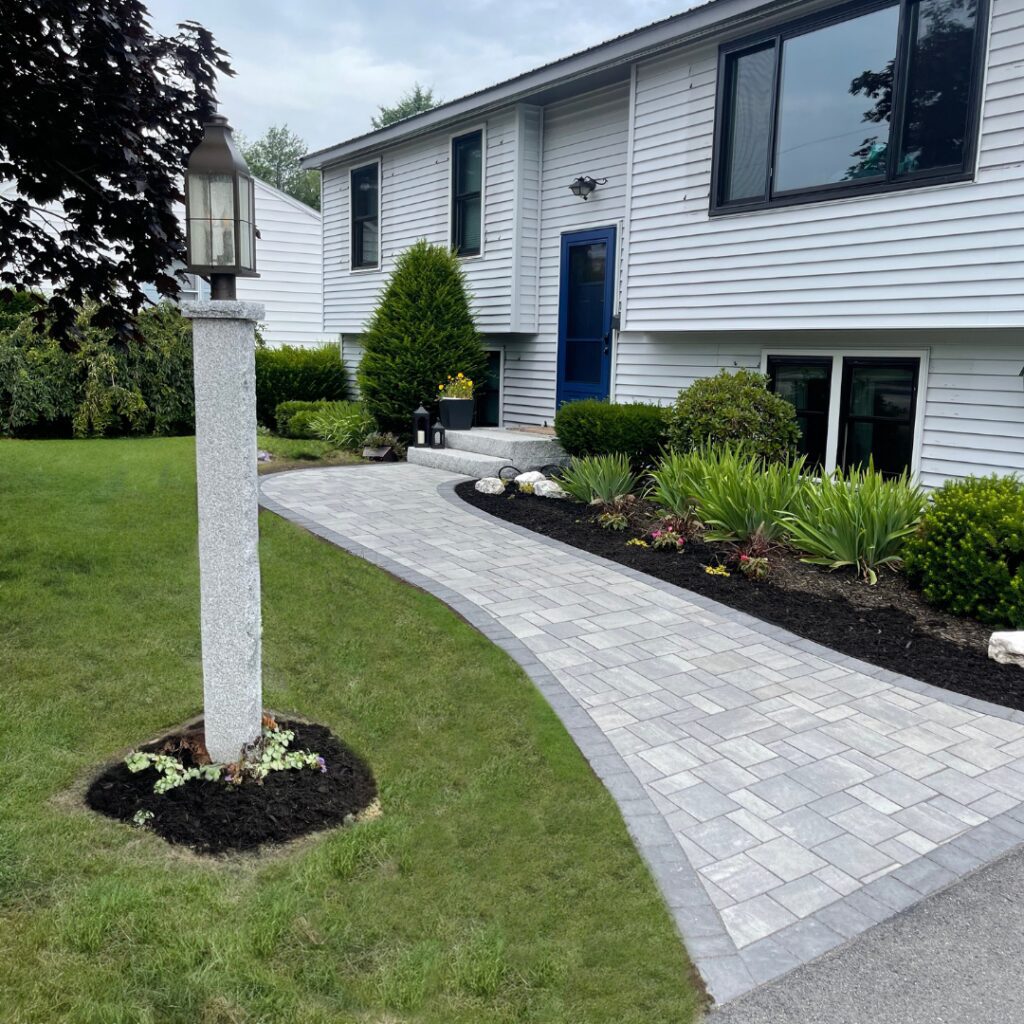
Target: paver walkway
<point>785,796</point>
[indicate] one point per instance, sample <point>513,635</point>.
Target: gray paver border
<point>727,971</point>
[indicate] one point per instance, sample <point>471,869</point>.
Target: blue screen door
<point>586,296</point>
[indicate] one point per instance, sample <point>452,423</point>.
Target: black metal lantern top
<point>220,211</point>
<point>584,185</point>
<point>421,428</point>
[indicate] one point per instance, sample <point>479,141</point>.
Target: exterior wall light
<point>220,210</point>
<point>584,185</point>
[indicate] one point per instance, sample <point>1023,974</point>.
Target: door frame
<point>604,233</point>
<point>500,349</point>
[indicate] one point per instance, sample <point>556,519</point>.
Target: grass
<point>498,886</point>
<point>291,453</point>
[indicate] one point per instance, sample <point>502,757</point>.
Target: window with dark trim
<point>869,97</point>
<point>467,193</point>
<point>365,183</point>
<point>806,383</point>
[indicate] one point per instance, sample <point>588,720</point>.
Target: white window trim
<point>469,130</point>
<point>501,381</point>
<point>835,397</point>
<point>380,216</point>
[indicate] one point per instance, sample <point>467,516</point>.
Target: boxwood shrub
<point>292,373</point>
<point>592,427</point>
<point>734,408</point>
<point>968,556</point>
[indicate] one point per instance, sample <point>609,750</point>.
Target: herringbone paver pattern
<point>812,795</point>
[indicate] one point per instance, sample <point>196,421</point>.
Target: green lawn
<point>499,885</point>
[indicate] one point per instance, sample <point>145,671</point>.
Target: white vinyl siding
<point>925,258</point>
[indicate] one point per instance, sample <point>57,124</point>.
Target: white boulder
<point>533,477</point>
<point>490,485</point>
<point>1007,648</point>
<point>548,489</point>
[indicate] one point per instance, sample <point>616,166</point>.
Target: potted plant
<point>456,402</point>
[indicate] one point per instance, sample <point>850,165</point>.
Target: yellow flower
<point>460,377</point>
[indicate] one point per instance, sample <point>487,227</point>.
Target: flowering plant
<point>458,386</point>
<point>753,567</point>
<point>667,540</point>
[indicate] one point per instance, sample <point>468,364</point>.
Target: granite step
<point>454,460</point>
<point>520,448</point>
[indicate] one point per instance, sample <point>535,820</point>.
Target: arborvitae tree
<point>415,101</point>
<point>421,332</point>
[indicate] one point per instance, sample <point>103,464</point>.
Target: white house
<point>831,193</point>
<point>288,258</point>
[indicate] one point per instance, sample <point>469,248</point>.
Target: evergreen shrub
<point>968,555</point>
<point>592,427</point>
<point>737,409</point>
<point>421,332</point>
<point>294,373</point>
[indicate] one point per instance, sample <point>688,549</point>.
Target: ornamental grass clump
<point>598,479</point>
<point>675,484</point>
<point>968,555</point>
<point>858,519</point>
<point>342,424</point>
<point>740,497</point>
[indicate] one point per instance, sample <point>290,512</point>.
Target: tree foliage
<point>414,101</point>
<point>421,332</point>
<point>98,118</point>
<point>276,157</point>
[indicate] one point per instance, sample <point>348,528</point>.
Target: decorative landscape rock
<point>490,485</point>
<point>533,477</point>
<point>548,489</point>
<point>1007,648</point>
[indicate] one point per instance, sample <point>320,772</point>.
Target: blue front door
<point>586,295</point>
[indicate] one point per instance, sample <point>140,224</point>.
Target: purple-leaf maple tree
<point>98,116</point>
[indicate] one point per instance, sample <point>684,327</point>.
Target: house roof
<point>578,72</point>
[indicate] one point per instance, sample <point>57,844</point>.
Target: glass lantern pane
<point>245,253</point>
<point>244,197</point>
<point>199,195</point>
<point>223,243</point>
<point>222,196</point>
<point>200,252</point>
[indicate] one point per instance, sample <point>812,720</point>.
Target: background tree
<point>421,332</point>
<point>413,101</point>
<point>98,118</point>
<point>276,157</point>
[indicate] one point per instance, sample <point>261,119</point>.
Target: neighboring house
<point>831,194</point>
<point>288,260</point>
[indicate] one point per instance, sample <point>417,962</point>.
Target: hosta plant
<point>598,479</point>
<point>858,519</point>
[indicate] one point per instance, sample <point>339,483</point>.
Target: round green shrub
<point>591,427</point>
<point>968,556</point>
<point>421,331</point>
<point>294,373</point>
<point>734,408</point>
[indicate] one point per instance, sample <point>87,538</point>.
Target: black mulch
<point>889,625</point>
<point>217,817</point>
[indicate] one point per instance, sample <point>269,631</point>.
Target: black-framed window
<point>365,185</point>
<point>806,383</point>
<point>876,418</point>
<point>869,97</point>
<point>467,193</point>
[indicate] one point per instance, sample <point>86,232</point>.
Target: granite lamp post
<point>221,239</point>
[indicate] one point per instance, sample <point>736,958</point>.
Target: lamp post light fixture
<point>221,242</point>
<point>220,221</point>
<point>584,185</point>
<point>421,428</point>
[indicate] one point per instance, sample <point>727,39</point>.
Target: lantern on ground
<point>220,226</point>
<point>437,435</point>
<point>421,428</point>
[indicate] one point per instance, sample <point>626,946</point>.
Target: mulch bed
<point>889,625</point>
<point>218,817</point>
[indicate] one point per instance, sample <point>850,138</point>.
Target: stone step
<point>518,447</point>
<point>455,461</point>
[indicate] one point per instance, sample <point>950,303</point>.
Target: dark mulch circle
<point>216,817</point>
<point>889,625</point>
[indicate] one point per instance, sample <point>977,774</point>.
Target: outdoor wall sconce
<point>437,435</point>
<point>421,428</point>
<point>584,185</point>
<point>220,221</point>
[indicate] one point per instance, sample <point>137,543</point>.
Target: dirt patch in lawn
<point>218,817</point>
<point>889,625</point>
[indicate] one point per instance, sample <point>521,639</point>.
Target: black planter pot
<point>457,413</point>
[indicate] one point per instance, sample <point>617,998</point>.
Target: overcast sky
<point>324,66</point>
